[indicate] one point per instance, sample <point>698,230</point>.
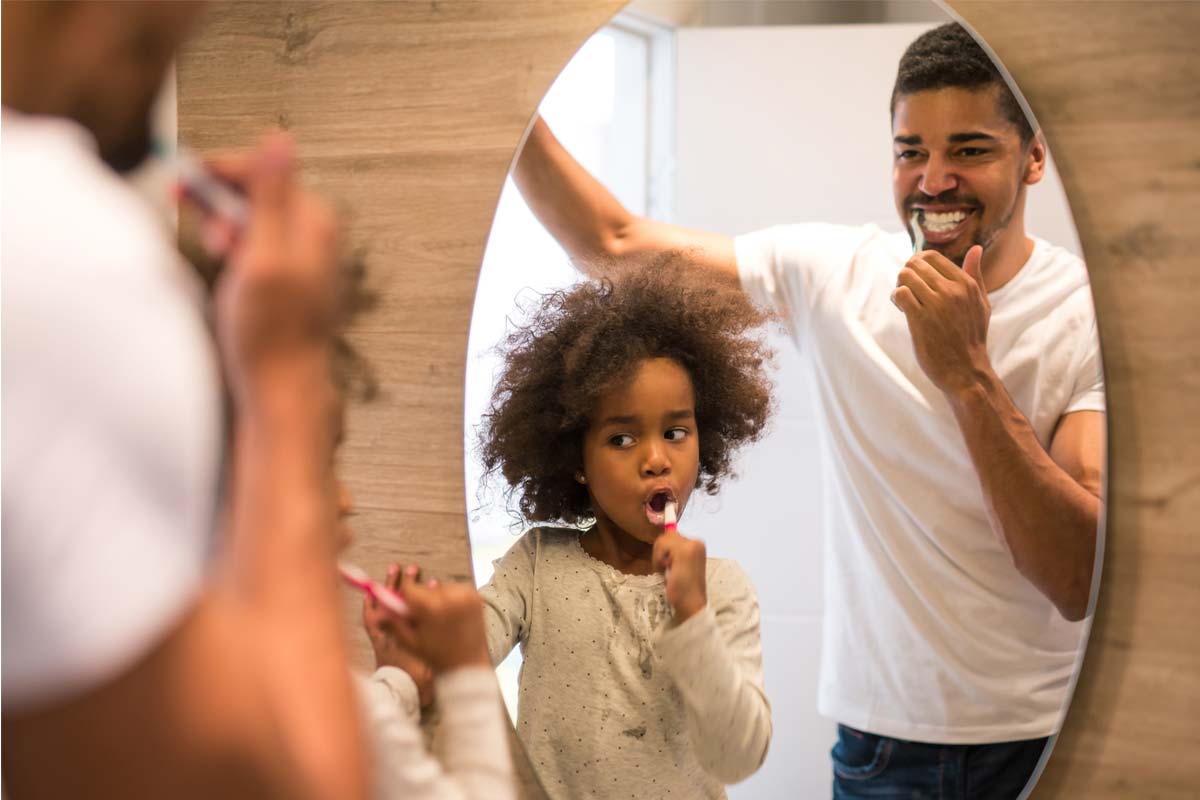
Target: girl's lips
<point>658,517</point>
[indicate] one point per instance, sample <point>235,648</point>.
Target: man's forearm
<point>578,211</point>
<point>589,222</point>
<point>282,570</point>
<point>1047,520</point>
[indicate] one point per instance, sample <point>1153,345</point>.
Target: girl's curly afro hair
<point>582,341</point>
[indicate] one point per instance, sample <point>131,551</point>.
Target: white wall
<point>778,125</point>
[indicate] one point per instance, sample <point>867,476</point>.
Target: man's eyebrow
<point>970,136</point>
<point>907,140</point>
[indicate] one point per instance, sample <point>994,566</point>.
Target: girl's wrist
<point>689,607</point>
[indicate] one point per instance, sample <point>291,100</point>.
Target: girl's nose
<point>656,461</point>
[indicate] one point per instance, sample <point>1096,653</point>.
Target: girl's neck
<point>606,542</point>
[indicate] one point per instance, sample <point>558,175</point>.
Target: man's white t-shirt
<point>930,633</point>
<point>111,419</point>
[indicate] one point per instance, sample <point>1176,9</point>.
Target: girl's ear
<point>580,477</point>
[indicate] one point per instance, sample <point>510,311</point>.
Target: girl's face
<point>642,449</point>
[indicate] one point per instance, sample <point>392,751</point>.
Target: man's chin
<point>128,155</point>
<point>954,251</point>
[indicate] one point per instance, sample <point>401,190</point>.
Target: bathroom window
<point>612,108</point>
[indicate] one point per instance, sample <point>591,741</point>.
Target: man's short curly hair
<point>583,341</point>
<point>949,57</point>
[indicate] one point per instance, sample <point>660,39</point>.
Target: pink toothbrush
<point>380,594</point>
<point>670,523</point>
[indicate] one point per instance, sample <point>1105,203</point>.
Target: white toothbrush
<point>914,223</point>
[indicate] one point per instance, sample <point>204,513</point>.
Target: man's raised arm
<point>589,222</point>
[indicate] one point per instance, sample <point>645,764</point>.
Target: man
<point>961,401</point>
<point>136,662</point>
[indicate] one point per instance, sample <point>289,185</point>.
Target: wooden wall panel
<point>1116,86</point>
<point>409,113</point>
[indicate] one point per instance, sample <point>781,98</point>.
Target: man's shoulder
<point>1060,278</point>
<point>69,216</point>
<point>826,236</point>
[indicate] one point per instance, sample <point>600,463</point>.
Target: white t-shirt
<point>111,419</point>
<point>930,633</point>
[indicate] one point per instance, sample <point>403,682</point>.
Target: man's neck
<point>1004,259</point>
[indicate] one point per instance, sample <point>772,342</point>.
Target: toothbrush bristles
<point>914,223</point>
<point>670,518</point>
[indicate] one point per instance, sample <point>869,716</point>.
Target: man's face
<point>961,165</point>
<point>119,54</point>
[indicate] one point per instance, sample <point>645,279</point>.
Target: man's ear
<point>1035,160</point>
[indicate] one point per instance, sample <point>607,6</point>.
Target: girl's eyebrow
<point>627,419</point>
<point>630,419</point>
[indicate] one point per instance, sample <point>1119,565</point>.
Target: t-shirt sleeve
<point>507,597</point>
<point>785,268</point>
<point>1088,391</point>
<point>110,458</point>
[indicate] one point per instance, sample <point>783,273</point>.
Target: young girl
<point>642,671</point>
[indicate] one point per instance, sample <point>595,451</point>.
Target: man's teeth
<point>940,223</point>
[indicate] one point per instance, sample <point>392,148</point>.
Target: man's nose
<point>938,177</point>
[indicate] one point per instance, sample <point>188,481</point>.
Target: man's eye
<point>907,155</point>
<point>620,440</point>
<point>676,434</point>
<point>971,152</point>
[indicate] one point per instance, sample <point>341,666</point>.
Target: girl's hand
<point>444,626</point>
<point>684,561</point>
<point>379,622</point>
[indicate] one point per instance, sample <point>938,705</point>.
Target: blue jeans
<point>870,766</point>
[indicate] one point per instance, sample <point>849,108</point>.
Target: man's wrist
<point>298,388</point>
<point>976,389</point>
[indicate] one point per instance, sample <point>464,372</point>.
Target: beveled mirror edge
<point>1106,87</point>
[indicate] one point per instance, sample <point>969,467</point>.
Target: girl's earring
<point>579,476</point>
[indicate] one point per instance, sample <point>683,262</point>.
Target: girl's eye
<point>676,434</point>
<point>621,440</point>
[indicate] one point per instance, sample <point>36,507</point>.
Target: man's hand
<point>278,297</point>
<point>378,622</point>
<point>444,627</point>
<point>948,312</point>
<point>684,561</point>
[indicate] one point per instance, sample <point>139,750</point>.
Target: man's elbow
<point>1074,608</point>
<point>1072,602</point>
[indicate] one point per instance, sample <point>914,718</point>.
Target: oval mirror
<point>911,551</point>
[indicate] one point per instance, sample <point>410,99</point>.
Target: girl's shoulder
<point>726,578</point>
<point>550,543</point>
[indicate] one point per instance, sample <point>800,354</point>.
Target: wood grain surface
<point>409,113</point>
